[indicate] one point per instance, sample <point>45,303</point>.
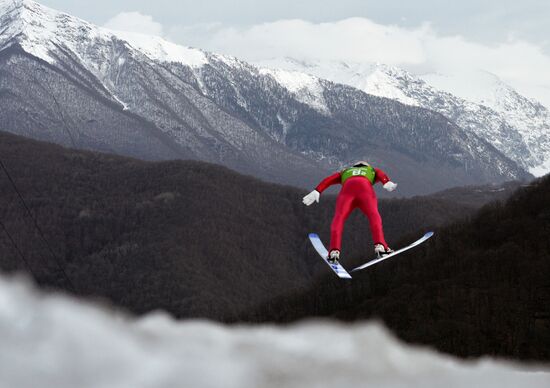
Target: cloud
<point>135,22</point>
<point>522,64</point>
<point>419,49</point>
<point>354,39</point>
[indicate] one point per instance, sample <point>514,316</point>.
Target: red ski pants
<point>357,192</point>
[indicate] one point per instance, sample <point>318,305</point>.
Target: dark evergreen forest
<point>480,286</point>
<point>199,240</point>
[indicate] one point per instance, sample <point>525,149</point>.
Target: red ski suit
<point>357,192</point>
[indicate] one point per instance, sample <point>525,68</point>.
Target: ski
<point>322,251</point>
<point>378,260</point>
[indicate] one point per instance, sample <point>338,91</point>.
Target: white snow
<point>40,30</point>
<point>54,341</point>
<point>475,86</point>
<point>368,77</point>
<point>529,117</point>
<point>229,60</point>
<point>542,169</point>
<point>467,94</point>
<point>306,88</point>
<point>124,105</point>
<point>43,27</point>
<point>20,14</point>
<point>161,50</point>
<point>381,84</point>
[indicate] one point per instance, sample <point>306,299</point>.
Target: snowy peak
<point>39,29</point>
<point>192,103</point>
<point>161,50</point>
<point>479,102</point>
<point>305,87</point>
<point>390,82</point>
<point>373,78</point>
<point>8,6</point>
<point>11,19</point>
<point>480,86</point>
<point>528,117</point>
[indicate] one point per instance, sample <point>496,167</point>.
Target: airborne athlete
<point>357,192</point>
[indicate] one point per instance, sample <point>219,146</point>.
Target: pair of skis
<point>341,271</point>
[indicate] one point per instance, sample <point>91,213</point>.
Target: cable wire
<point>41,233</point>
<point>25,262</point>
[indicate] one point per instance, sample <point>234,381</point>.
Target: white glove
<point>390,186</point>
<point>311,197</point>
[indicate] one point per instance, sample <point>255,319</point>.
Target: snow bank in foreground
<point>53,341</point>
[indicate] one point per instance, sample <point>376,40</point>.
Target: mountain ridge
<point>515,125</point>
<point>220,109</point>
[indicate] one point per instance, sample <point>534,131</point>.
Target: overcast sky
<point>508,37</point>
<point>487,21</point>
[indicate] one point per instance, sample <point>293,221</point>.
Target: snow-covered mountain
<point>479,102</point>
<point>530,118</point>
<point>63,343</point>
<point>70,82</point>
<point>113,91</point>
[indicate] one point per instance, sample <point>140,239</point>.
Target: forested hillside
<point>479,286</point>
<point>195,239</point>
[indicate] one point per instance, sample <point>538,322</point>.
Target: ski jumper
<point>357,192</point>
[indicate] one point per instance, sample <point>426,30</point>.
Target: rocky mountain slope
<point>478,102</point>
<point>70,82</point>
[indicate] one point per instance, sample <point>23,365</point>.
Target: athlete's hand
<point>311,197</point>
<point>390,186</point>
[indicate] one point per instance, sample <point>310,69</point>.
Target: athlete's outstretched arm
<point>325,183</point>
<point>383,178</point>
<point>329,181</point>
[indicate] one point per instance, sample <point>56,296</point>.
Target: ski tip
<point>313,235</point>
<point>429,234</point>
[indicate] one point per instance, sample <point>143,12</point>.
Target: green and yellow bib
<point>364,171</point>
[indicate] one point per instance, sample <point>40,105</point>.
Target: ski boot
<point>333,256</point>
<point>380,251</point>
